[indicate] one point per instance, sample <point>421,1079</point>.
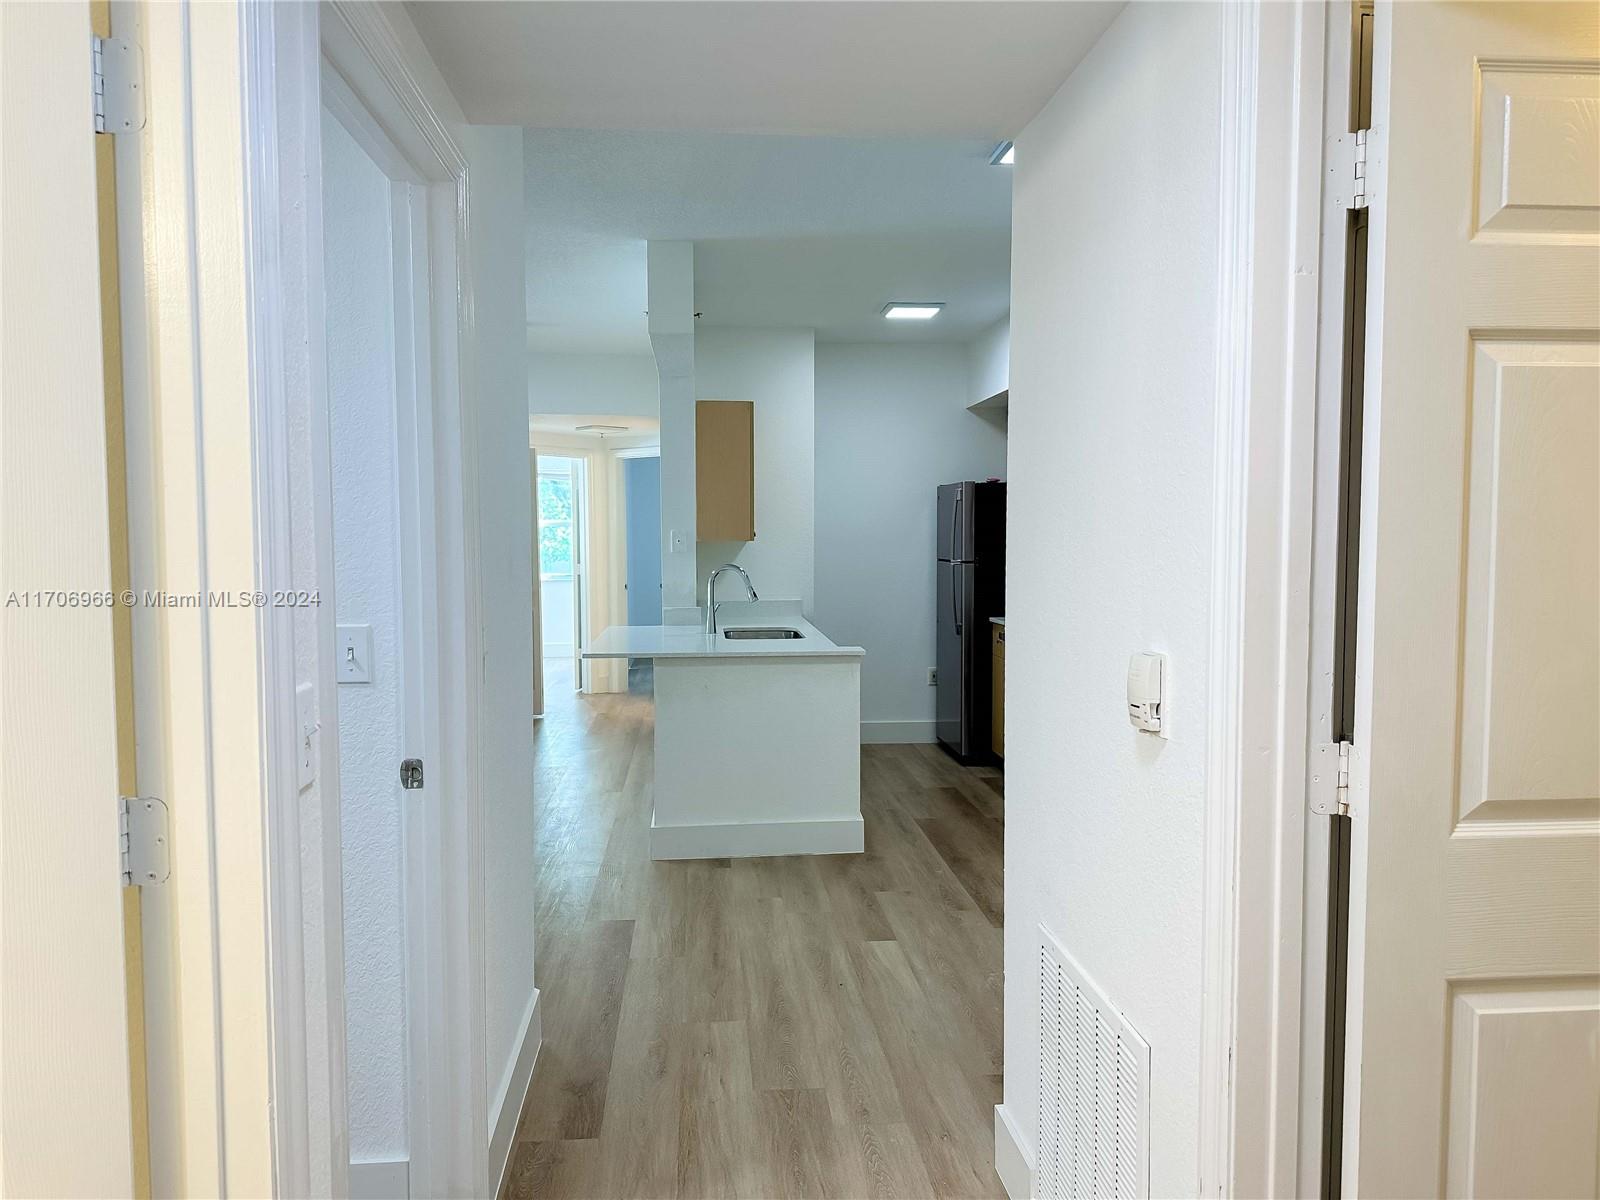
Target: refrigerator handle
<point>955,528</point>
<point>955,600</point>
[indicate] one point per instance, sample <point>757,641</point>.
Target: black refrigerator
<point>970,548</point>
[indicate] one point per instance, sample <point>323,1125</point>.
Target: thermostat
<point>1147,687</point>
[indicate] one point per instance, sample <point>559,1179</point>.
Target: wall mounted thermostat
<point>1147,690</point>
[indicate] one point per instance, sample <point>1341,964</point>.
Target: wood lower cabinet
<point>997,704</point>
<point>725,470</point>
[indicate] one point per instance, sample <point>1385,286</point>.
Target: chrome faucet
<point>711,594</point>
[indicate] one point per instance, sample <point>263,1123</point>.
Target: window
<point>556,524</point>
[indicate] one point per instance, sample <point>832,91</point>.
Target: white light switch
<point>1147,692</point>
<point>353,654</point>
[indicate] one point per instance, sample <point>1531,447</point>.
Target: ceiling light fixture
<point>912,310</point>
<point>602,430</point>
<point>1005,155</point>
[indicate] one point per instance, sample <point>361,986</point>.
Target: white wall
<point>891,426</point>
<point>506,572</point>
<point>1112,360</point>
<point>361,402</point>
<point>556,617</point>
<point>672,341</point>
<point>989,361</point>
<point>618,385</point>
<point>776,369</point>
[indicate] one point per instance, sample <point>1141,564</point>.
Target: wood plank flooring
<point>778,1027</point>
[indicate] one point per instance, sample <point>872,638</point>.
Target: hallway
<point>819,1026</point>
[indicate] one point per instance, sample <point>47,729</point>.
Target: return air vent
<point>1094,1088</point>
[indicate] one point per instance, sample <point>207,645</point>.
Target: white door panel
<point>1473,1057</point>
<point>65,1108</point>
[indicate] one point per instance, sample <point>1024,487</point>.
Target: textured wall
<point>615,385</point>
<point>505,498</point>
<point>1114,277</point>
<point>892,425</point>
<point>989,361</point>
<point>366,578</point>
<point>776,369</point>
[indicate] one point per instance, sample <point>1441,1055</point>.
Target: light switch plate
<point>353,654</point>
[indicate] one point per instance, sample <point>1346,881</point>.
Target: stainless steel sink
<point>766,634</point>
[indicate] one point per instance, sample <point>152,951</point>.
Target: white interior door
<point>65,1109</point>
<point>1474,1029</point>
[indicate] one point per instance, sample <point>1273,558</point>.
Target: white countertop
<point>691,641</point>
<point>1000,621</point>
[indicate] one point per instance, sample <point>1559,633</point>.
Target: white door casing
<point>1474,1021</point>
<point>64,1081</point>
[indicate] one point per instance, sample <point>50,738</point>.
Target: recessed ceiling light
<point>912,310</point>
<point>1005,155</point>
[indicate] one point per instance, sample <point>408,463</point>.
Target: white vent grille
<point>1094,1088</point>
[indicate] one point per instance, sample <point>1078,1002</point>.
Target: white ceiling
<point>891,198</point>
<point>788,232</point>
<point>901,68</point>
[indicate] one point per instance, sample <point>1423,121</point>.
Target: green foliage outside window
<point>555,526</point>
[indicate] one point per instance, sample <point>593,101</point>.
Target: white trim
<point>1013,1156</point>
<point>1270,171</point>
<point>511,1097</point>
<point>280,64</point>
<point>755,839</point>
<point>202,476</point>
<point>1327,485</point>
<point>448,1117</point>
<point>638,452</point>
<point>384,1179</point>
<point>1225,642</point>
<point>898,733</point>
<point>369,62</point>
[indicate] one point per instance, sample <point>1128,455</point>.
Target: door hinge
<point>411,774</point>
<point>1330,779</point>
<point>142,832</point>
<point>1349,168</point>
<point>117,79</point>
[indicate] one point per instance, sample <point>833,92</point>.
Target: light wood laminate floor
<point>775,1027</point>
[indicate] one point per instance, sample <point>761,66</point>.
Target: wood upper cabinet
<point>725,470</point>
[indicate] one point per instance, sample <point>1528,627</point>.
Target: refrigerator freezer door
<point>953,704</point>
<point>953,538</point>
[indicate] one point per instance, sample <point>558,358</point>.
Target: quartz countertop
<point>691,641</point>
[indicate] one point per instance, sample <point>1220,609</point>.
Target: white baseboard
<point>896,733</point>
<point>506,1111</point>
<point>384,1180</point>
<point>1013,1156</point>
<point>756,839</point>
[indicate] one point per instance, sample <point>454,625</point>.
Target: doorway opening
<point>561,482</point>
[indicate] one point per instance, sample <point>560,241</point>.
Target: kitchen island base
<point>757,757</point>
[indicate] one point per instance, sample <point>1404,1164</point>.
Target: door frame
<point>424,382</point>
<point>1264,454</point>
<point>599,530</point>
<point>287,52</point>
